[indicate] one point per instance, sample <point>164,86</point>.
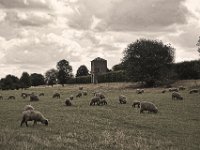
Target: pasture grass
<point>112,127</point>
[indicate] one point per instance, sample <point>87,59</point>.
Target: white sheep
<point>28,107</point>
<point>33,115</point>
<point>122,99</point>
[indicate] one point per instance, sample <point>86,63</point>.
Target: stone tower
<point>98,66</point>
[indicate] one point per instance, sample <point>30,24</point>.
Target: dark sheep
<point>102,102</point>
<point>34,98</point>
<point>79,94</point>
<point>41,94</point>
<point>11,97</point>
<point>32,115</point>
<point>71,97</point>
<point>137,103</point>
<point>95,101</point>
<point>140,91</point>
<point>176,95</point>
<point>122,99</point>
<point>194,91</point>
<point>85,93</point>
<point>56,95</point>
<point>68,102</point>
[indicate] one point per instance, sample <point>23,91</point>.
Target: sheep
<point>1,97</point>
<point>140,91</point>
<point>122,99</point>
<point>176,95</point>
<point>33,115</point>
<point>71,97</point>
<point>28,107</point>
<point>85,93</point>
<point>79,94</point>
<point>102,102</point>
<point>24,95</point>
<point>41,94</point>
<point>100,95</point>
<point>163,91</point>
<point>136,103</point>
<point>68,103</point>
<point>11,97</point>
<point>181,88</point>
<point>80,88</point>
<point>34,98</point>
<point>194,91</point>
<point>56,95</point>
<point>173,90</point>
<point>148,106</point>
<point>94,101</point>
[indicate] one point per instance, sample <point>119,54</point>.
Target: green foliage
<point>25,80</point>
<point>64,71</point>
<point>37,79</point>
<point>51,77</point>
<point>147,61</point>
<point>118,67</point>
<point>188,69</point>
<point>10,82</point>
<point>80,80</point>
<point>114,76</point>
<point>82,71</point>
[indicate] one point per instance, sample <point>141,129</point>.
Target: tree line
<point>149,62</point>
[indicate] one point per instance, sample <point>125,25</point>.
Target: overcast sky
<point>36,34</point>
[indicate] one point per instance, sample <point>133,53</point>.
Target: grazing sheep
<point>11,97</point>
<point>163,91</point>
<point>194,91</point>
<point>100,95</point>
<point>181,88</point>
<point>68,103</point>
<point>136,103</point>
<point>32,115</point>
<point>41,94</point>
<point>85,93</point>
<point>173,90</point>
<point>176,95</point>
<point>56,95</point>
<point>102,102</point>
<point>80,88</point>
<point>33,98</point>
<point>24,95</point>
<point>94,101</point>
<point>71,97</point>
<point>148,106</point>
<point>28,107</point>
<point>1,97</point>
<point>79,94</point>
<point>140,91</point>
<point>122,99</point>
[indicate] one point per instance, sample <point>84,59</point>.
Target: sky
<point>36,34</point>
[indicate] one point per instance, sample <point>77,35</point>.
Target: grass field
<point>112,127</point>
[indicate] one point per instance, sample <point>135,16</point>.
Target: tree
<point>82,71</point>
<point>10,82</point>
<point>198,44</point>
<point>118,67</point>
<point>148,61</point>
<point>51,77</point>
<point>64,71</point>
<point>37,79</point>
<point>25,81</point>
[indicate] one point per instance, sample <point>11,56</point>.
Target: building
<point>98,67</point>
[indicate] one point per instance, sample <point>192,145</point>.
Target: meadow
<point>112,127</point>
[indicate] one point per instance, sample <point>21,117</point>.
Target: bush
<point>114,76</point>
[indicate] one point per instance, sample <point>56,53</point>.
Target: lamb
<point>85,93</point>
<point>148,106</point>
<point>56,95</point>
<point>1,97</point>
<point>94,101</point>
<point>11,97</point>
<point>68,102</point>
<point>136,103</point>
<point>79,94</point>
<point>102,102</point>
<point>181,88</point>
<point>194,91</point>
<point>28,107</point>
<point>33,115</point>
<point>176,95</point>
<point>173,90</point>
<point>34,98</point>
<point>122,99</point>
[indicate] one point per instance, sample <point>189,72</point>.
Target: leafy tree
<point>25,81</point>
<point>64,71</point>
<point>10,82</point>
<point>198,44</point>
<point>148,61</point>
<point>82,71</point>
<point>37,79</point>
<point>118,67</point>
<point>51,77</point>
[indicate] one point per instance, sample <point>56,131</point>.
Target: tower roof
<point>99,59</point>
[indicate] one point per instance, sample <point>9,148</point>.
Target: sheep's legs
<point>35,122</point>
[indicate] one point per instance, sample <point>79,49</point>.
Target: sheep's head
<point>45,122</point>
